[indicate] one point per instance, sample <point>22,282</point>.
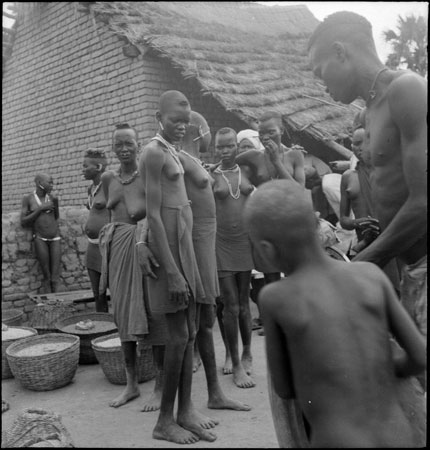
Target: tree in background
<point>409,44</point>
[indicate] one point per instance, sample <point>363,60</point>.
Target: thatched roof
<point>251,58</point>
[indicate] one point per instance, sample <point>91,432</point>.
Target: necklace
<point>234,169</point>
<point>39,202</point>
<point>372,92</point>
<point>172,150</point>
<point>93,194</point>
<point>196,160</point>
<point>134,175</point>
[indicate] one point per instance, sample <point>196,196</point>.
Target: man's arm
<point>299,167</point>
<point>345,220</point>
<point>276,348</point>
<point>408,108</point>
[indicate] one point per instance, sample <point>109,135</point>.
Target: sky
<point>382,15</point>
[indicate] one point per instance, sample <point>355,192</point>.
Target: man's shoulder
<point>278,292</point>
<point>409,82</point>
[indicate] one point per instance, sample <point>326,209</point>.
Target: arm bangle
<point>141,242</point>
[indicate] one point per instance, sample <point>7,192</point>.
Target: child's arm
<point>276,348</point>
<point>413,360</point>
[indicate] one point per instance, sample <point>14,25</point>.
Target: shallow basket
<point>46,314</point>
<point>111,360</point>
<point>12,317</point>
<point>44,372</point>
<point>86,354</point>
<point>5,369</point>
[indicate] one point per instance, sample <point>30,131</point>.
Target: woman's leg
<point>243,280</point>
<point>154,402</point>
<point>131,390</point>
<point>55,263</point>
<point>230,294</point>
<point>100,299</point>
<point>41,251</point>
<point>228,368</point>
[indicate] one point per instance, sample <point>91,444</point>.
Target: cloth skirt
<point>233,251</point>
<point>93,258</point>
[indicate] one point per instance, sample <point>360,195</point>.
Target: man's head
<point>226,145</point>
<point>198,135</point>
<point>337,49</point>
<point>281,222</point>
<point>248,140</point>
<point>125,142</point>
<point>173,115</point>
<point>357,143</point>
<point>271,127</point>
<point>44,182</point>
<point>94,163</point>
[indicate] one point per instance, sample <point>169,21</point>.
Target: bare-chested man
<point>343,55</point>
<point>40,211</point>
<point>328,327</point>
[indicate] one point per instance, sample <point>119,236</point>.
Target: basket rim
<point>106,337</point>
<point>97,316</point>
<point>18,312</point>
<point>21,328</point>
<point>21,343</point>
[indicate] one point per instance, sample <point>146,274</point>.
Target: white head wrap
<point>252,136</point>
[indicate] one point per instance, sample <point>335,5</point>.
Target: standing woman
<point>94,165</point>
<point>234,258</point>
<point>177,285</point>
<point>40,211</point>
<point>125,195</point>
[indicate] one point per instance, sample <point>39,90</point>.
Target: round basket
<point>111,360</point>
<point>44,372</point>
<point>12,317</point>
<point>5,369</point>
<point>45,315</point>
<point>86,354</point>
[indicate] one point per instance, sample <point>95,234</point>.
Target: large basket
<point>111,360</point>
<point>5,369</point>
<point>86,355</point>
<point>12,317</point>
<point>44,372</point>
<point>46,314</point>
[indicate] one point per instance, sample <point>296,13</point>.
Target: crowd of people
<point>177,240</point>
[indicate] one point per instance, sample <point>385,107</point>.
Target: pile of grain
<point>100,326</point>
<point>43,349</point>
<point>14,333</point>
<point>113,342</point>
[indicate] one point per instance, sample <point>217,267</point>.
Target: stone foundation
<point>21,272</point>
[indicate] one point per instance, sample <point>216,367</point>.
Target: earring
<point>161,126</point>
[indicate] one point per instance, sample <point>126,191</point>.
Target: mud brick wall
<point>21,272</point>
<point>65,86</point>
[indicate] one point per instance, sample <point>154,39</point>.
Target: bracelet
<point>141,242</point>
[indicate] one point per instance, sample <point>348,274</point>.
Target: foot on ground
<point>256,323</point>
<point>172,432</point>
<point>241,379</point>
<point>154,402</point>
<point>228,366</point>
<point>261,332</point>
<point>246,361</point>
<point>200,419</point>
<point>126,396</point>
<point>220,401</point>
<point>191,422</point>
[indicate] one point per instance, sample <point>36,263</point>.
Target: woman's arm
<point>27,217</point>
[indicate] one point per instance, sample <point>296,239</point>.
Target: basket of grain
<point>46,314</point>
<point>102,324</point>
<point>110,356</point>
<point>12,317</point>
<point>8,336</point>
<point>45,362</point>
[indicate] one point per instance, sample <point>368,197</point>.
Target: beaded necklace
<point>196,160</point>
<point>172,150</point>
<point>234,169</point>
<point>92,194</point>
<point>128,180</point>
<point>39,202</point>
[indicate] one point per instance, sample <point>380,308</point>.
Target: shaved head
<point>171,99</point>
<point>40,177</point>
<point>280,212</point>
<point>198,133</point>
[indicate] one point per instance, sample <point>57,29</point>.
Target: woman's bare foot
<point>154,402</point>
<point>220,401</point>
<point>202,420</point>
<point>241,379</point>
<point>127,395</point>
<point>228,366</point>
<point>172,432</point>
<point>247,363</point>
<point>191,422</point>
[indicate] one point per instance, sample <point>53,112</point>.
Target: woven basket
<point>5,369</point>
<point>12,317</point>
<point>44,372</point>
<point>111,360</point>
<point>86,354</point>
<point>45,315</point>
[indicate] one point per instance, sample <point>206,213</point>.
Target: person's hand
<point>178,289</point>
<point>339,166</point>
<point>146,260</point>
<point>211,167</point>
<point>48,206</point>
<point>367,224</point>
<point>272,150</point>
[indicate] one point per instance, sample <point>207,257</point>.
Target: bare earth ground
<point>83,406</point>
